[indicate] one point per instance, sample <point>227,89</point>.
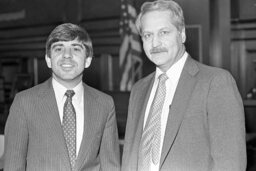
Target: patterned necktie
<point>151,136</point>
<point>69,126</point>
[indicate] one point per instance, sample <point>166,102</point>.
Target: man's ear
<point>183,35</point>
<point>48,61</point>
<point>88,61</point>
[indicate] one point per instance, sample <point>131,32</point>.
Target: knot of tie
<point>70,93</point>
<point>163,77</point>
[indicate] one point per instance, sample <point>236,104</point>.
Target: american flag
<point>130,61</point>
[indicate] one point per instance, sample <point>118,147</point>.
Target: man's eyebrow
<point>78,44</point>
<point>146,32</point>
<point>56,44</point>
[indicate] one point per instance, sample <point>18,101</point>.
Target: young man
<point>63,124</point>
<point>185,115</point>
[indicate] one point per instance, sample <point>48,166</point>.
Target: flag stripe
<point>123,49</point>
<point>130,61</point>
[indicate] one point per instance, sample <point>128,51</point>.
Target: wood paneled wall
<point>25,25</point>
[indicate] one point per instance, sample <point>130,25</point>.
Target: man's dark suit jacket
<point>34,138</point>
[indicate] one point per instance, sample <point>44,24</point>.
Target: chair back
<point>1,151</point>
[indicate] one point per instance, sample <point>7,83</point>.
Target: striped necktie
<point>151,136</point>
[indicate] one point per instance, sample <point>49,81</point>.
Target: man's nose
<point>67,53</point>
<point>156,41</point>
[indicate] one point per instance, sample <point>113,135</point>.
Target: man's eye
<point>77,49</point>
<point>164,32</point>
<point>58,49</point>
<point>146,36</point>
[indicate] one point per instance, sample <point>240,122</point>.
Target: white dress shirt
<point>78,103</point>
<point>173,74</point>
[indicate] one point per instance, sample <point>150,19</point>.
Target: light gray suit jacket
<point>34,138</point>
<point>205,129</point>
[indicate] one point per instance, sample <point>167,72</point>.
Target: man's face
<point>67,61</point>
<point>162,42</point>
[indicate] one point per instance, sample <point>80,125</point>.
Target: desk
<point>250,115</point>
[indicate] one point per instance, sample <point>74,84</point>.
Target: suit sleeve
<point>226,124</point>
<point>109,150</point>
<point>16,138</point>
<point>128,133</point>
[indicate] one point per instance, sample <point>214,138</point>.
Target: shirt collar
<point>60,90</point>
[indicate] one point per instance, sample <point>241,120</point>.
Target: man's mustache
<point>158,50</point>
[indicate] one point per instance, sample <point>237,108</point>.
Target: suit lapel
<point>141,101</point>
<point>49,111</point>
<point>90,118</point>
<point>179,106</point>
